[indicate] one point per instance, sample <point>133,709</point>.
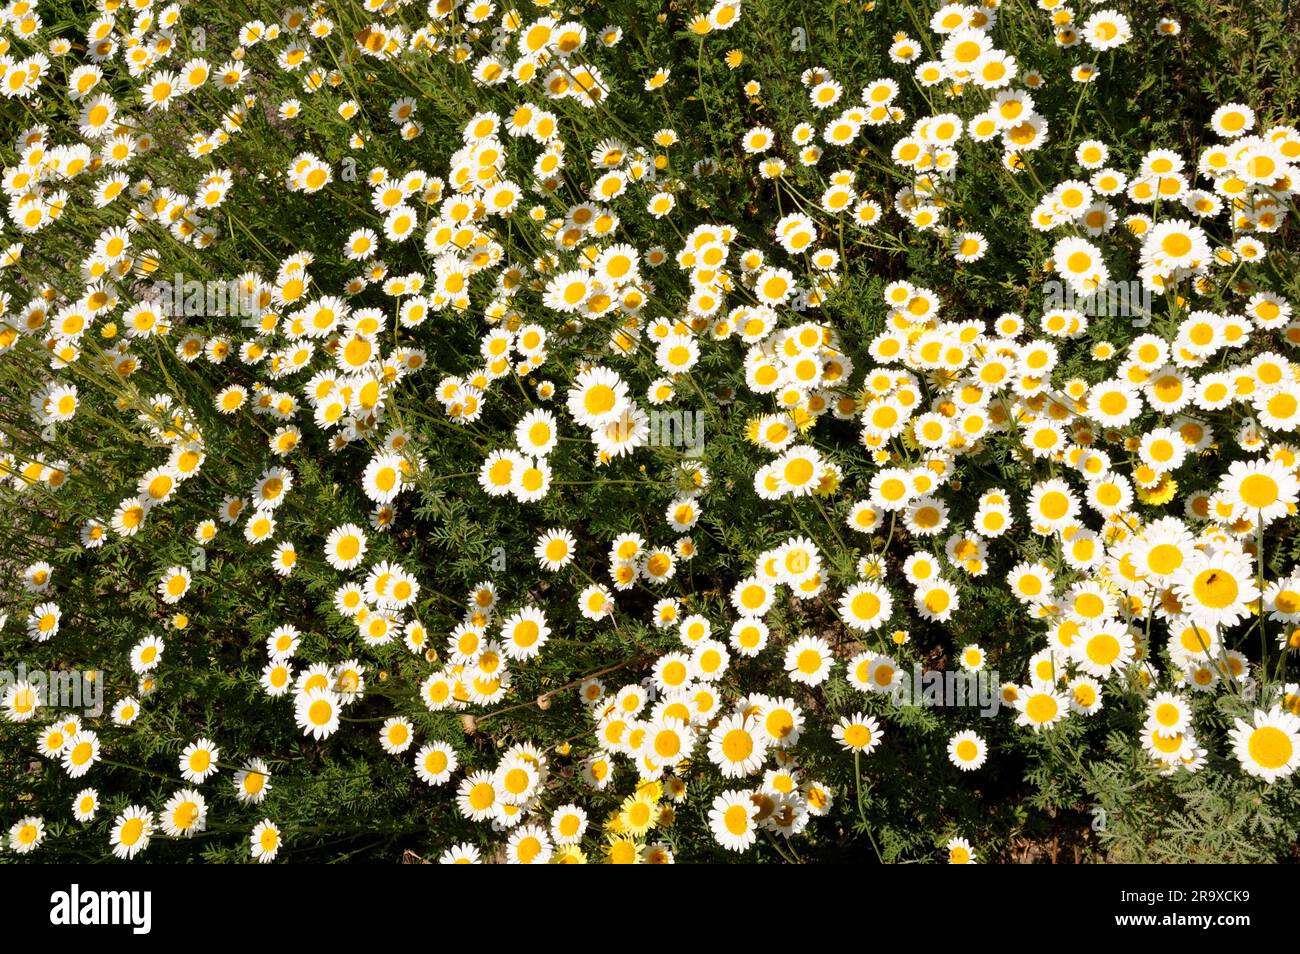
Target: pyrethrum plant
<point>473,431</point>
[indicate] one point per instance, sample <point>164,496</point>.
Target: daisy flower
<point>866,606</point>
<point>597,397</point>
<point>26,834</point>
<point>736,747</point>
<point>936,600</point>
<point>317,712</point>
<point>184,814</point>
<point>382,479</point>
<point>1040,706</point>
<point>960,852</point>
<point>1216,588</point>
<point>568,824</point>
<point>733,820</point>
<point>81,753</point>
<point>199,760</point>
<point>131,831</point>
<point>1268,745</point>
<point>175,583</point>
<point>462,854</point>
<point>264,841</point>
<point>857,733</point>
<point>967,750</point>
<point>1264,489</point>
<point>345,546</point>
<point>85,805</point>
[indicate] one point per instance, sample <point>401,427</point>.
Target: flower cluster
<point>484,286</point>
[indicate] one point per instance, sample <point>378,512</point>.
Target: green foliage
<point>1039,796</point>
